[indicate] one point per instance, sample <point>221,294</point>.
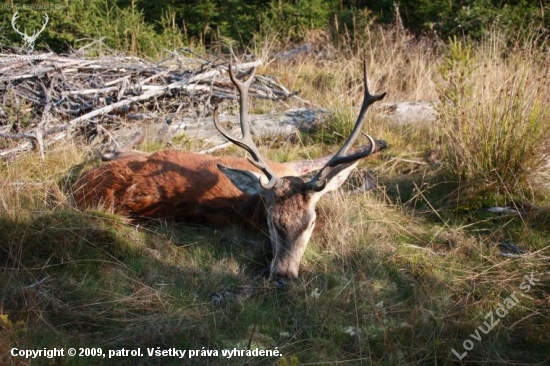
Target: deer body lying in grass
<point>224,190</point>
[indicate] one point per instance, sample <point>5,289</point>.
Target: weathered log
<point>276,124</point>
<point>406,112</point>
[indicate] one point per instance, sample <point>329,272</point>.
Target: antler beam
<point>16,28</point>
<point>318,181</point>
<point>246,142</point>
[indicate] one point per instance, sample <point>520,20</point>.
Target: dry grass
<point>392,276</point>
<point>404,67</point>
<point>494,120</point>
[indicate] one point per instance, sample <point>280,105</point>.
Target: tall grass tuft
<point>494,123</point>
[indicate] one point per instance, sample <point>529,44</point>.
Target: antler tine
<point>318,181</point>
<point>246,142</point>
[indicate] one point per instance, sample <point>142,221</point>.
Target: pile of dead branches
<point>48,97</point>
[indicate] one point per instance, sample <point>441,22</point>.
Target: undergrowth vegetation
<point>404,274</point>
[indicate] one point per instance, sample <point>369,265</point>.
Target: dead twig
<point>50,94</point>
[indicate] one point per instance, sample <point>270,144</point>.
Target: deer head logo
<point>28,40</point>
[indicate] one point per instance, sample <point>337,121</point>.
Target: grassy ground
<point>405,274</point>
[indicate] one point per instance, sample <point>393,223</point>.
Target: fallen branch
<point>55,94</point>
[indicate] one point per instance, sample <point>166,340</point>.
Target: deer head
<point>28,40</point>
<point>290,201</point>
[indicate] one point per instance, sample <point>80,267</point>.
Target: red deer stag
<point>223,190</point>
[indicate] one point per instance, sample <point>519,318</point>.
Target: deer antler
<point>246,141</point>
<point>318,182</point>
<point>43,25</point>
<point>13,19</point>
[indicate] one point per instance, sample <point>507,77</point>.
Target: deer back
<point>173,184</point>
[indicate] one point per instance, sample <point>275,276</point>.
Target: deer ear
<point>247,181</point>
<point>337,177</point>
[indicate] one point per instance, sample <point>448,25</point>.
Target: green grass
<point>400,275</point>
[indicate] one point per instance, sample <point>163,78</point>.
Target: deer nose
<point>287,269</point>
